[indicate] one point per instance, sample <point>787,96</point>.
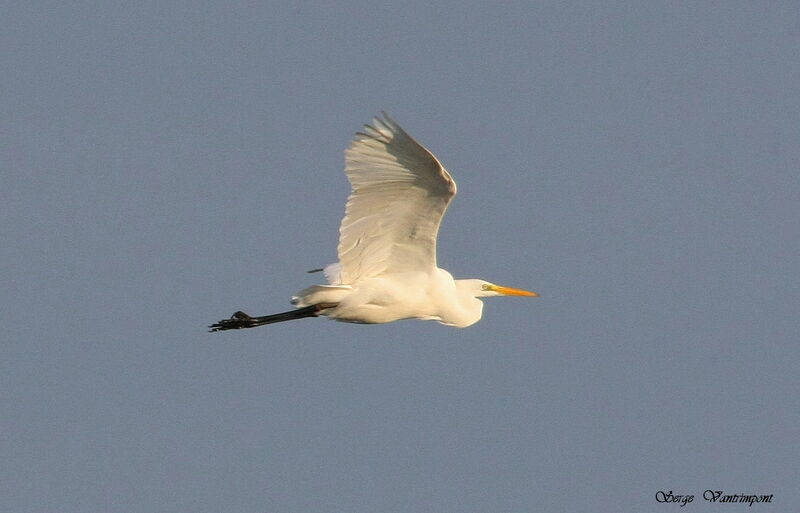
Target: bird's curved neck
<point>469,308</point>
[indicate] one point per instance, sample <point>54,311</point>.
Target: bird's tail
<point>241,320</point>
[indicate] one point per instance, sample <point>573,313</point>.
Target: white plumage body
<point>387,240</point>
<point>393,297</point>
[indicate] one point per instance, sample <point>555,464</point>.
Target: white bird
<point>387,243</point>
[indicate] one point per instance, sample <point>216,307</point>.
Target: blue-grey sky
<point>167,163</point>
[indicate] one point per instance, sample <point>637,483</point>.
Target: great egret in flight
<point>387,243</point>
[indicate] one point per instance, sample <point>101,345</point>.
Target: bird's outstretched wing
<point>400,192</point>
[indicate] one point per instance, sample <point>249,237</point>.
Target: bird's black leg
<point>241,320</point>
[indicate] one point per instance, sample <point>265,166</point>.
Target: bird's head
<point>481,288</point>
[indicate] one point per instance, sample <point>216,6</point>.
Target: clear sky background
<point>167,163</point>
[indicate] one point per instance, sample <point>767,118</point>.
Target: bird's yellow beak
<point>508,291</point>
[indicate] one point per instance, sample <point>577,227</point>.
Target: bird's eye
<point>485,286</point>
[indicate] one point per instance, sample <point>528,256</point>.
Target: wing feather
<point>400,192</point>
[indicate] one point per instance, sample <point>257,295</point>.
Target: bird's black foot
<point>237,321</point>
